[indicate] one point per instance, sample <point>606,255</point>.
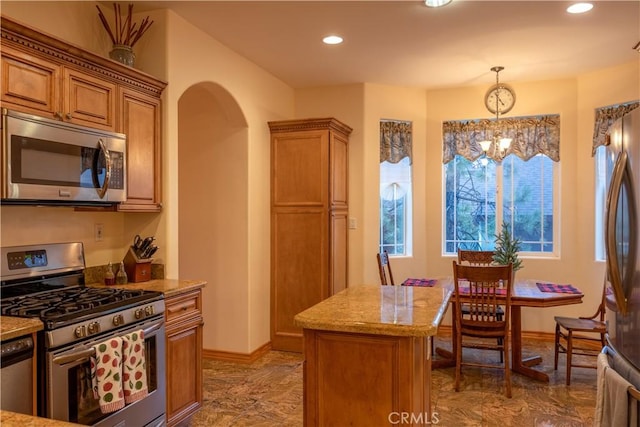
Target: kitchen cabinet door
<point>47,89</point>
<point>30,84</point>
<point>184,356</point>
<point>140,121</point>
<point>88,101</point>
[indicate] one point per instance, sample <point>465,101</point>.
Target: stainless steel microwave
<point>51,162</point>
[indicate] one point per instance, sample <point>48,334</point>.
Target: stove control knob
<point>118,320</point>
<point>93,328</point>
<point>149,310</point>
<point>80,332</point>
<point>139,313</point>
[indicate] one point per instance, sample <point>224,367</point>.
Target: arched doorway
<point>213,209</point>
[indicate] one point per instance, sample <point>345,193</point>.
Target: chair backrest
<point>483,289</point>
<point>475,257</point>
<point>384,267</point>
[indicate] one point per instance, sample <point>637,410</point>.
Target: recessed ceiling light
<point>580,7</point>
<point>332,40</point>
<point>436,3</point>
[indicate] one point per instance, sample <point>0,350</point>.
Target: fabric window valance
<point>395,141</point>
<point>530,136</point>
<point>605,117</point>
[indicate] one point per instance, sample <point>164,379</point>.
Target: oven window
<point>84,408</point>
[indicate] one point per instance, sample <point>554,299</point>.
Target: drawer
<point>184,305</point>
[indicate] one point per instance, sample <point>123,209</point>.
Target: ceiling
<point>404,43</point>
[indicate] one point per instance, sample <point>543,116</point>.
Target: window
<point>395,187</point>
<point>604,166</point>
<point>395,207</point>
<point>480,195</point>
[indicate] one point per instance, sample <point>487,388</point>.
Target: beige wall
<point>236,301</point>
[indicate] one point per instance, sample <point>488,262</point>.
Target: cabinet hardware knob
<point>57,115</point>
<point>69,116</point>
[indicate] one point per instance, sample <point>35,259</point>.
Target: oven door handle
<point>89,352</point>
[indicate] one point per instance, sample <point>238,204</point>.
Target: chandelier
<point>499,99</point>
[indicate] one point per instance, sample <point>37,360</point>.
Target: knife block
<point>138,269</point>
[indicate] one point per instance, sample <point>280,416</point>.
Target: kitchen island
<point>367,352</point>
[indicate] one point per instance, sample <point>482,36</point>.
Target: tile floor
<point>269,393</point>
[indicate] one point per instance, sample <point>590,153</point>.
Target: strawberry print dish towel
<point>106,375</point>
<point>134,373</point>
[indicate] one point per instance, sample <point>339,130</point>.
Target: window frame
<point>408,211</point>
<point>499,197</point>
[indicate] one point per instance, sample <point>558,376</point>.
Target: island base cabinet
<point>184,356</point>
<point>355,379</point>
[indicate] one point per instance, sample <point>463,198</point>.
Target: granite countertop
<point>13,419</point>
<point>14,327</point>
<point>379,310</point>
<point>169,287</point>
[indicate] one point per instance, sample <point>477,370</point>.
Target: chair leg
<point>557,347</point>
<point>507,369</point>
<point>569,351</point>
<point>458,361</point>
<point>500,342</point>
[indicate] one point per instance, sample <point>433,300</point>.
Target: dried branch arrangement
<point>125,32</point>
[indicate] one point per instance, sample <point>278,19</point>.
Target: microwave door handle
<point>105,186</point>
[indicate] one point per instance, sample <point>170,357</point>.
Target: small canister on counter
<point>109,277</point>
<point>121,276</point>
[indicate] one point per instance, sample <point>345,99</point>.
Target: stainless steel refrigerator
<point>622,239</point>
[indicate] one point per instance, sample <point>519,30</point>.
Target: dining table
<point>525,293</point>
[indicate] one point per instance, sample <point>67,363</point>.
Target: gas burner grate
<point>63,305</point>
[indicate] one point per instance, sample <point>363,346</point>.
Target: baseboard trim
<point>228,356</point>
<point>445,331</point>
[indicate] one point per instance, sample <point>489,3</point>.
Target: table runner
<point>420,282</point>
<point>557,288</point>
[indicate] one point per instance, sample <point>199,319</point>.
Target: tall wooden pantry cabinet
<point>309,220</point>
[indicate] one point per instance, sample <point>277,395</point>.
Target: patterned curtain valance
<point>605,117</point>
<point>530,136</point>
<point>395,141</point>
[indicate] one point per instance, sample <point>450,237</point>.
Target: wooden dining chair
<point>479,287</point>
<point>475,257</point>
<point>384,267</point>
<point>479,258</point>
<point>580,336</point>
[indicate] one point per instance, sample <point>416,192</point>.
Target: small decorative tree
<point>507,248</point>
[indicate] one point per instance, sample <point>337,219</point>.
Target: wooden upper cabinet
<point>47,77</point>
<point>140,121</point>
<point>88,101</point>
<point>30,84</point>
<point>44,88</point>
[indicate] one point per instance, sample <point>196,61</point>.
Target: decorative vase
<point>123,53</point>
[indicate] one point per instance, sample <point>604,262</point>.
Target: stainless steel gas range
<point>47,282</point>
